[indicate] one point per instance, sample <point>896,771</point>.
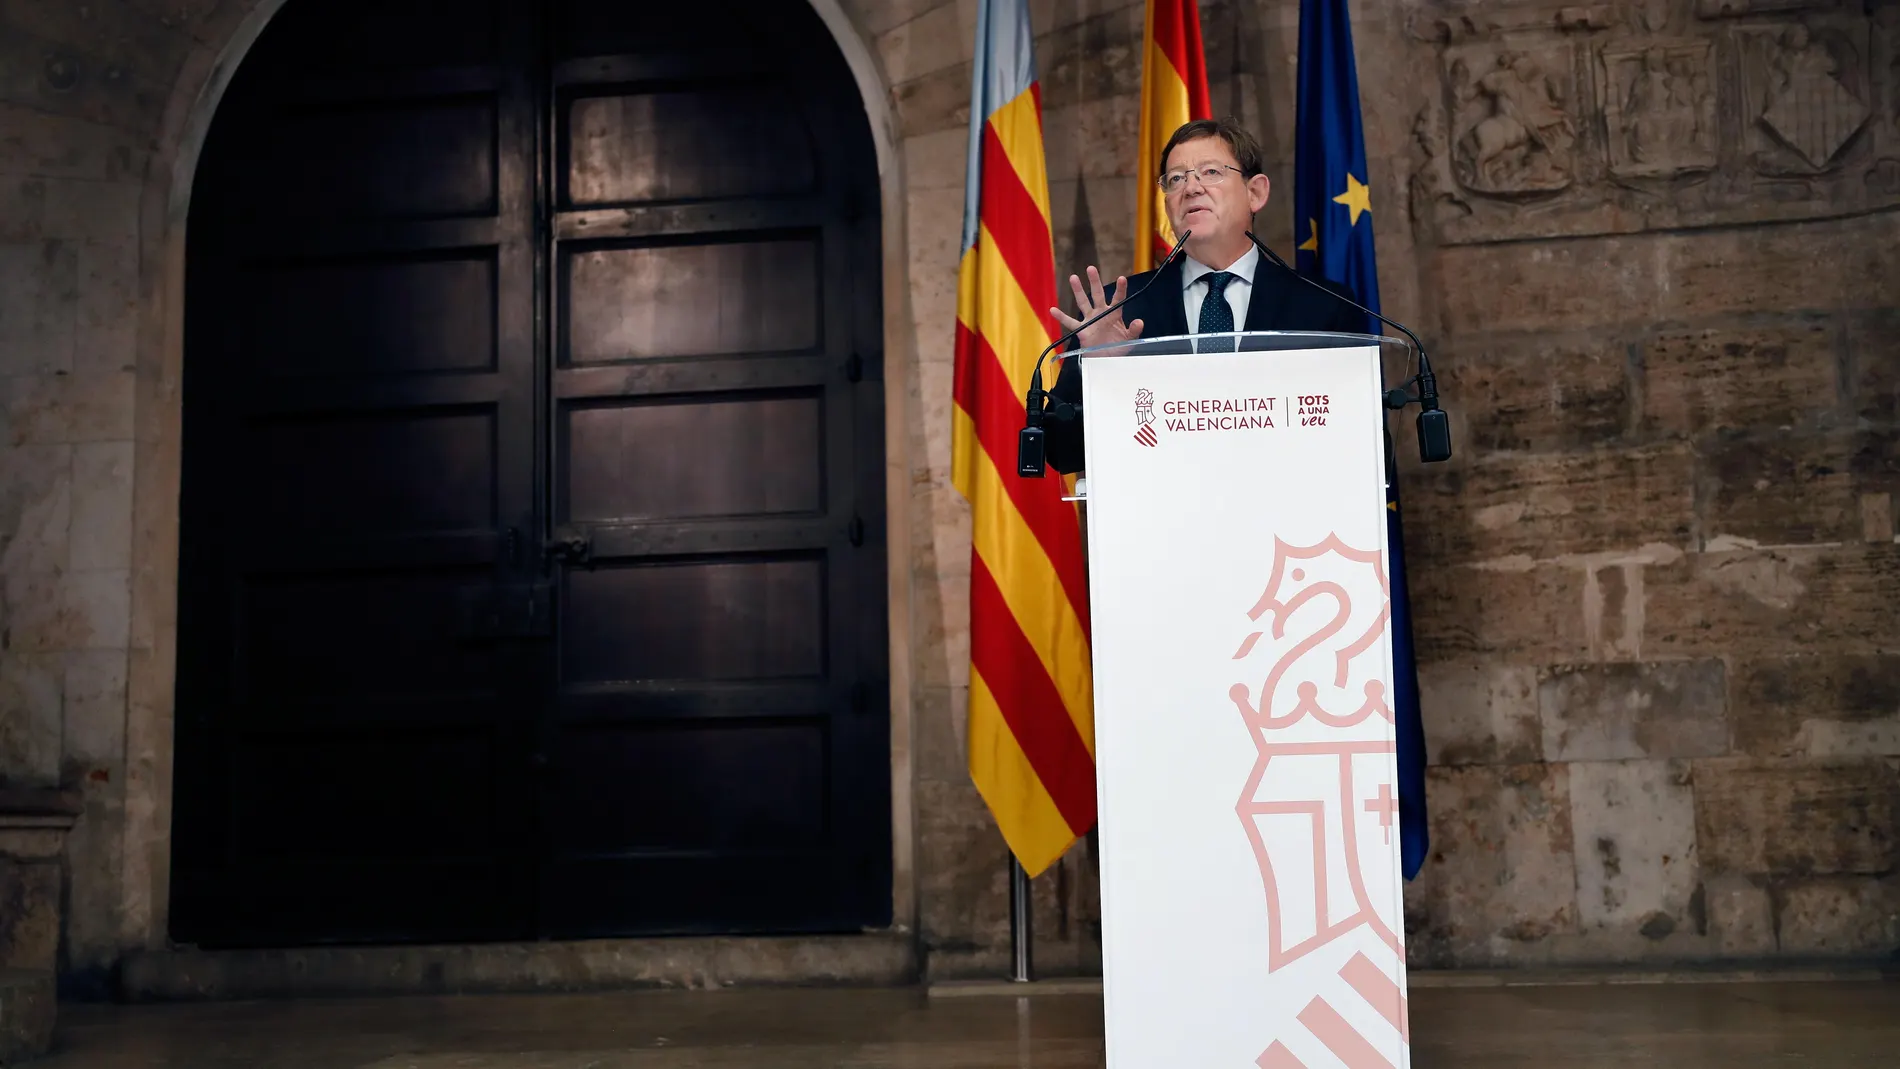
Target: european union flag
<point>1332,227</point>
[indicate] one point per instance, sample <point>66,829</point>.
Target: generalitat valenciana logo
<point>1145,417</point>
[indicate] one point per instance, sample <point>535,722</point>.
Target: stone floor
<point>1684,1026</point>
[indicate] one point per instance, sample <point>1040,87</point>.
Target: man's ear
<point>1258,187</point>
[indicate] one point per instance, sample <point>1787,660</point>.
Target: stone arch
<point>143,893</point>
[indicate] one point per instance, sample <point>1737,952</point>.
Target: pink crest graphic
<point>1319,807</point>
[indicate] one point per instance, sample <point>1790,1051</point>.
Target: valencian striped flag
<point>1173,92</point>
<point>1332,211</point>
<point>1031,720</point>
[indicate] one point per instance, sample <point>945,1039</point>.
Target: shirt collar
<point>1192,269</point>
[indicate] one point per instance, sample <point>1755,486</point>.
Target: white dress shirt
<point>1238,292</point>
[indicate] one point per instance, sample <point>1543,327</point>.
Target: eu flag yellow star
<point>1357,197</point>
<point>1311,244</point>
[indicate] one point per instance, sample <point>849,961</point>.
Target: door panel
<point>532,559</point>
<point>373,315</point>
<point>685,143</point>
<point>638,460</point>
<point>388,473</point>
<point>714,620</point>
<point>296,665</point>
<point>344,148</point>
<point>703,299</point>
<point>360,775</point>
<point>680,806</point>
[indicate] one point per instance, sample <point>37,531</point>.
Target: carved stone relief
<point>1671,114</point>
<point>1658,103</point>
<point>1512,132</point>
<point>1436,197</point>
<point>1803,94</point>
<point>1883,178</point>
<point>1649,16</point>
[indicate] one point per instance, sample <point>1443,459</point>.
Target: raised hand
<point>1091,301</point>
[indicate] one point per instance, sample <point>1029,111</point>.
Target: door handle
<point>570,547</point>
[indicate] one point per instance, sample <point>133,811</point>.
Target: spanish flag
<point>1031,720</point>
<point>1173,92</point>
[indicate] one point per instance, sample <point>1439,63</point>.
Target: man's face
<point>1220,214</point>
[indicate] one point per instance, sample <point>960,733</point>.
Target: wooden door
<point>514,603</point>
<point>719,724</point>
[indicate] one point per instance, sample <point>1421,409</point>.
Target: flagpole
<point>1021,967</point>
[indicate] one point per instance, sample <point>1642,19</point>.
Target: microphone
<point>1434,423</point>
<point>1030,463</point>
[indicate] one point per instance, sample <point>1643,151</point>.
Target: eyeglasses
<point>1211,175</point>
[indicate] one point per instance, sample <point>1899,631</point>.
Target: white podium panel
<point>1251,891</point>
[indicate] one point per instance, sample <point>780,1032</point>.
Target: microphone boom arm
<point>1030,463</point>
<point>1434,426</point>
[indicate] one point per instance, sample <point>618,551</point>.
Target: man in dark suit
<point>1211,176</point>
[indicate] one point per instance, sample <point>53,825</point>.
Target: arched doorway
<point>532,555</point>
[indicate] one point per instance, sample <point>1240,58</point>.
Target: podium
<point>1247,778</point>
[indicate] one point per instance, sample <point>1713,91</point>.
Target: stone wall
<point>81,104</point>
<point>1653,590</point>
<point>1656,591</point>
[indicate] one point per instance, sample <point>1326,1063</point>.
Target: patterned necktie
<point>1217,316</point>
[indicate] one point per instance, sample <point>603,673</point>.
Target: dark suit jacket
<point>1279,302</point>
